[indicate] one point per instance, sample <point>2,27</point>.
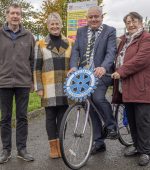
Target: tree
<point>60,6</point>
<point>49,6</point>
<point>28,13</point>
<point>147,24</point>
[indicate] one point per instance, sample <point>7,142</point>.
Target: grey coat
<point>16,59</point>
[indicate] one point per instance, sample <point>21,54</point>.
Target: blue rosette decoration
<point>80,84</point>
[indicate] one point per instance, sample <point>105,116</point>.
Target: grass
<point>34,104</point>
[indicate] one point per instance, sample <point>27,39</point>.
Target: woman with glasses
<point>133,73</point>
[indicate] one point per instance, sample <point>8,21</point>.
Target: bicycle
<point>76,130</point>
<point>124,134</point>
<point>76,134</point>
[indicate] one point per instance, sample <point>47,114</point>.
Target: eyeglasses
<point>134,22</point>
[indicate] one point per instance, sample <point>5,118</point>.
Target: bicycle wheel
<point>75,142</point>
<point>123,126</point>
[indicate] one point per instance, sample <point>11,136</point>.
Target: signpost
<point>76,16</point>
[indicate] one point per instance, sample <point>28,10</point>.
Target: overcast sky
<point>116,10</point>
<point>35,3</point>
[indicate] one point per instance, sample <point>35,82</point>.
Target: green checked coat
<point>50,70</point>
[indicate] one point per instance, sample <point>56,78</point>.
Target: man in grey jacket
<point>16,67</point>
<point>95,47</point>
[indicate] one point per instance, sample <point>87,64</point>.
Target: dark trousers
<point>139,121</point>
<point>21,99</point>
<point>54,115</point>
<point>105,109</point>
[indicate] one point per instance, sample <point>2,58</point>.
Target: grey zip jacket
<point>16,59</point>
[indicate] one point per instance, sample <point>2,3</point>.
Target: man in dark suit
<point>95,47</point>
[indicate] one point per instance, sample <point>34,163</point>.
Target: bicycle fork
<point>76,134</point>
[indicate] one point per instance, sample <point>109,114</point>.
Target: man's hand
<point>32,88</point>
<point>73,69</point>
<point>40,93</point>
<point>99,71</point>
<point>115,75</point>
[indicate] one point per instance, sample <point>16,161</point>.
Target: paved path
<point>112,159</point>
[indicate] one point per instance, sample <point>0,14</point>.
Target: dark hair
<point>14,5</point>
<point>133,15</point>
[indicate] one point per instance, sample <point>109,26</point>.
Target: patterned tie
<point>92,41</point>
<point>88,62</point>
<point>90,47</point>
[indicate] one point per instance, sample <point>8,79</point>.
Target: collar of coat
<point>122,41</point>
<point>22,32</point>
<point>63,46</point>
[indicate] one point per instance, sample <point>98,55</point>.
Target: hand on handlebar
<point>115,75</point>
<point>73,69</point>
<point>99,71</point>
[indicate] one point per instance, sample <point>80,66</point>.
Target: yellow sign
<point>76,16</point>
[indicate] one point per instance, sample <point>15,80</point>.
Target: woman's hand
<point>40,93</point>
<point>115,75</point>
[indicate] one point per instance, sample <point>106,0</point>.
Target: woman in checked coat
<point>51,67</point>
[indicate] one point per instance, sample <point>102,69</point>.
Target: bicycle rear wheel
<point>75,143</point>
<point>123,126</point>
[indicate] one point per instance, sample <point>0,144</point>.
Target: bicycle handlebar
<point>108,74</point>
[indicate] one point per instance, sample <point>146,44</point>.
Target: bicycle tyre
<point>75,156</point>
<point>124,135</point>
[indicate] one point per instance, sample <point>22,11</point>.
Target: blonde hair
<point>54,16</point>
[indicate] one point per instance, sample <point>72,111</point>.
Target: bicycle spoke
<point>76,142</point>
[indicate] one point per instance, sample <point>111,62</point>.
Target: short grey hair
<point>97,8</point>
<point>54,16</point>
<point>14,5</point>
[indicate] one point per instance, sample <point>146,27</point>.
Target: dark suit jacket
<point>105,48</point>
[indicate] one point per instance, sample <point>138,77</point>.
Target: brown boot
<point>53,149</point>
<point>58,147</point>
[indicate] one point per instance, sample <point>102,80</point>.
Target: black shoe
<point>23,154</point>
<point>130,151</point>
<point>5,156</point>
<point>112,134</point>
<point>144,159</point>
<point>96,149</point>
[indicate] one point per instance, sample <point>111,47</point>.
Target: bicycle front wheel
<point>123,126</point>
<point>76,136</point>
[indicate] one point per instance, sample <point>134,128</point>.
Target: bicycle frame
<point>88,102</point>
<point>97,111</point>
<point>86,119</point>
